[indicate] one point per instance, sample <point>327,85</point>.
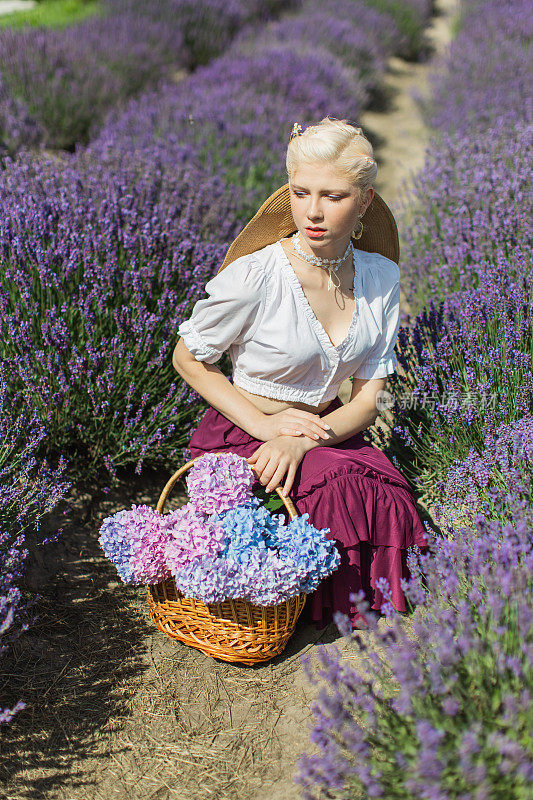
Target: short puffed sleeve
<point>381,359</point>
<point>230,313</point>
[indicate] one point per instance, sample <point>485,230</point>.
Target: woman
<point>300,309</point>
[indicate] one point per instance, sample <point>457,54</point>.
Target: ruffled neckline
<point>304,302</point>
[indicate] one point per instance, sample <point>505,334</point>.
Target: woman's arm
<point>213,386</point>
<point>209,381</point>
<point>358,414</point>
<point>281,456</point>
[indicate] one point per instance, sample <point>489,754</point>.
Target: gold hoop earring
<point>359,232</point>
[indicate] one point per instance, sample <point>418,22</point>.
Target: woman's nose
<point>314,210</point>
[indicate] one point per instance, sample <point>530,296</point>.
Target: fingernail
<point>315,435</point>
<point>328,427</point>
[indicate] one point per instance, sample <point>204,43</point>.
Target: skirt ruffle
<point>354,490</point>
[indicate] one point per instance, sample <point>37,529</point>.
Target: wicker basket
<point>234,630</point>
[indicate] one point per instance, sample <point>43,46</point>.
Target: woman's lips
<point>315,233</point>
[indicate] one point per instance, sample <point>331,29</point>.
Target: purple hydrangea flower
<point>191,536</point>
<point>134,541</point>
<point>219,481</point>
<point>149,536</point>
<point>115,540</point>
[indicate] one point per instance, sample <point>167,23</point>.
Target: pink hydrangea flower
<point>218,481</point>
<point>147,534</point>
<point>191,536</point>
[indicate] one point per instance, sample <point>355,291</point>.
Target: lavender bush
<point>237,113</point>
<point>445,712</point>
<point>496,483</point>
<point>94,280</point>
<point>466,370</point>
<point>487,72</point>
<point>442,706</point>
<point>29,488</point>
<point>235,110</point>
<point>352,31</point>
<point>473,200</point>
<point>411,18</point>
<point>66,80</point>
<point>17,128</point>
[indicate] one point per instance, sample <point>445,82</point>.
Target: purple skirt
<point>354,490</point>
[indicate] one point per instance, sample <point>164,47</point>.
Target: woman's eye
<point>333,197</point>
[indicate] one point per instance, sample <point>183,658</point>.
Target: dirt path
<point>118,711</point>
<point>398,134</point>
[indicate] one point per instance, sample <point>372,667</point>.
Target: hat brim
<point>274,221</point>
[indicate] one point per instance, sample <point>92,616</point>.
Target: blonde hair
<point>335,140</point>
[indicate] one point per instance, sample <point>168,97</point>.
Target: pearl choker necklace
<point>326,263</point>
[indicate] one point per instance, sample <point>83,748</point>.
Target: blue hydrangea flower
<point>248,526</point>
<point>264,561</point>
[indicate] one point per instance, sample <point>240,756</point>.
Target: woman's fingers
<point>269,470</point>
<point>255,455</point>
<point>276,478</point>
<point>289,480</point>
<point>305,430</point>
<point>312,425</point>
<point>260,465</point>
<point>308,417</point>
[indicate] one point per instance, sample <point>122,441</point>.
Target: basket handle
<point>287,502</point>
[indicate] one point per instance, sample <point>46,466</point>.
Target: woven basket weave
<point>234,630</point>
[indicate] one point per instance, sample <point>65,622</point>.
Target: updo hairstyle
<point>337,141</point>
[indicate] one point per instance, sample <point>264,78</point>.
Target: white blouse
<point>257,310</point>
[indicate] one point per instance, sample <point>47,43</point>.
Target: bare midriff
<point>268,405</point>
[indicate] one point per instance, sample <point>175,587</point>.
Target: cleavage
<point>335,321</point>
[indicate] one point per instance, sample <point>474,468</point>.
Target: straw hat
<point>274,221</point>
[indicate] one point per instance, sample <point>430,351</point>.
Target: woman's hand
<point>276,458</point>
<point>293,422</point>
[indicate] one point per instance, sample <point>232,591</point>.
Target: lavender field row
<point>445,709</point>
<point>57,85</point>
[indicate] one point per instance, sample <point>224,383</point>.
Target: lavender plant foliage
<point>445,712</point>
<point>29,488</point>
<point>359,36</point>
<point>235,110</point>
<point>487,72</point>
<point>94,280</point>
<point>473,196</point>
<point>237,113</point>
<point>68,79</point>
<point>466,370</point>
<point>411,18</point>
<point>17,127</point>
<point>496,483</point>
<point>473,200</point>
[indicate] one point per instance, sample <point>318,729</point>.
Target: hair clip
<point>296,131</point>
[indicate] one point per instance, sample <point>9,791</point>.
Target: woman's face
<point>321,197</point>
